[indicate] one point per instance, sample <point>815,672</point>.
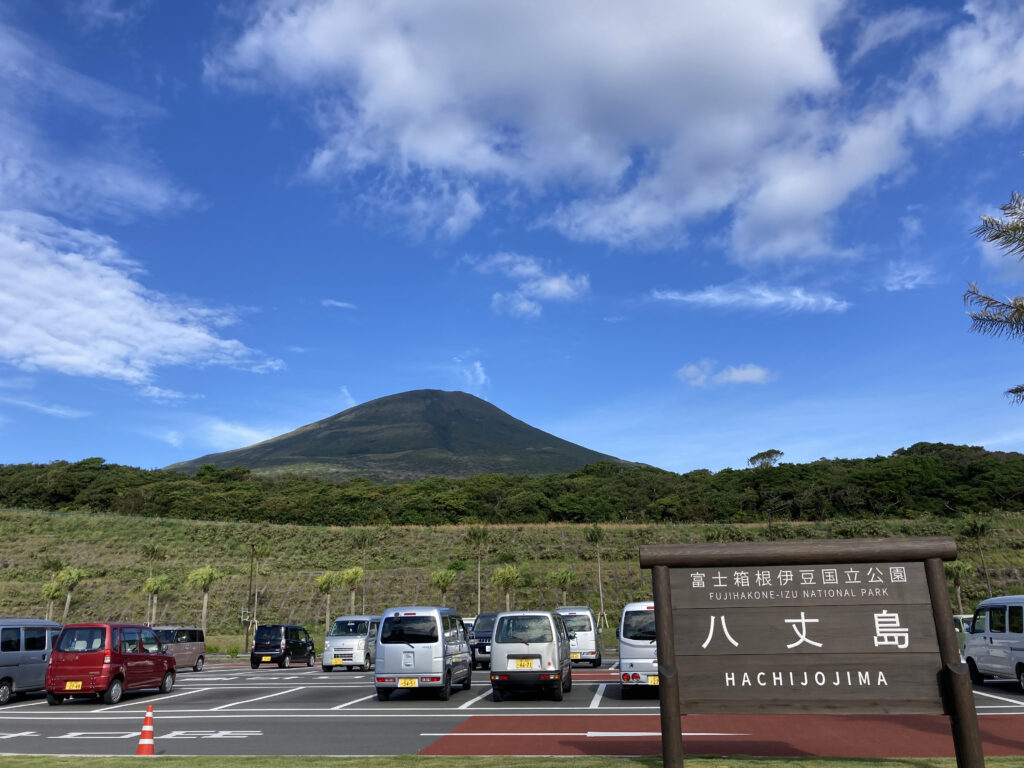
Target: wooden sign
<point>852,626</point>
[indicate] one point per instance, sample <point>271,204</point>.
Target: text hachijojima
<point>887,630</point>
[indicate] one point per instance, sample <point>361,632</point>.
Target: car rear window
<point>268,633</point>
<point>409,629</point>
<point>524,629</point>
<point>638,625</point>
<point>10,639</point>
<point>82,639</point>
<point>578,623</point>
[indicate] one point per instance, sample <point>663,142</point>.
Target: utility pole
<point>248,603</point>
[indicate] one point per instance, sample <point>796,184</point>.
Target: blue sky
<point>678,233</point>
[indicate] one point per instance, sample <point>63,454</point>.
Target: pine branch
<point>1008,232</point>
<point>994,317</point>
<point>1016,394</point>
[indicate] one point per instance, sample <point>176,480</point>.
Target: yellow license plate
<point>652,679</point>
<point>408,682</point>
<point>264,658</point>
<point>574,656</point>
<point>337,661</point>
<point>73,685</point>
<point>524,663</point>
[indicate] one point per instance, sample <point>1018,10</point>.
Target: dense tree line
<point>925,479</point>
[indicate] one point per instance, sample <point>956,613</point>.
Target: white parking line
<point>163,697</point>
<point>1018,702</point>
<point>596,701</point>
<point>27,704</point>
<point>355,701</point>
<point>258,698</point>
<point>587,734</point>
<point>469,703</point>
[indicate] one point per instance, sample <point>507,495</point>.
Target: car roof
<point>357,617</point>
<point>20,622</point>
<point>419,610</point>
<point>1002,600</point>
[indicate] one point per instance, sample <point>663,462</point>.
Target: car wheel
<point>167,683</point>
<point>312,659</point>
<point>497,695</point>
<point>6,691</point>
<point>568,681</point>
<point>114,693</point>
<point>366,663</point>
<point>326,669</point>
<point>1020,676</point>
<point>285,662</point>
<point>976,677</point>
<point>198,667</point>
<point>556,691</point>
<point>383,694</point>
<point>254,664</point>
<point>596,662</point>
<point>349,667</point>
<point>468,682</point>
<point>446,690</point>
<point>53,699</point>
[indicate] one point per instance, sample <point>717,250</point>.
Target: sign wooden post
<point>838,627</point>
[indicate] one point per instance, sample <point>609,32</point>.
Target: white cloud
<point>50,410</point>
<point>347,401</point>
<point>706,374</point>
<point>904,276</point>
<point>338,304</point>
<point>534,284</point>
<point>222,435</point>
<point>471,373</point>
<point>893,27</point>
<point>625,122</point>
<point>756,297</point>
<point>96,14</point>
<point>72,302</point>
<point>106,174</point>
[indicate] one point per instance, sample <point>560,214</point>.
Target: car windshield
<point>82,639</point>
<point>483,624</point>
<point>348,628</point>
<point>409,629</point>
<point>165,635</point>
<point>523,629</point>
<point>578,623</point>
<point>638,625</point>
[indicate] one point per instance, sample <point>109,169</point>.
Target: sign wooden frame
<point>952,678</point>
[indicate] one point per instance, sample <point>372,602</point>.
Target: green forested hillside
<point>923,480</point>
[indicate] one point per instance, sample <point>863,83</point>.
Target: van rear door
<point>34,655</point>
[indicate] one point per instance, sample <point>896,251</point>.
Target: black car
<point>282,644</point>
<point>480,640</point>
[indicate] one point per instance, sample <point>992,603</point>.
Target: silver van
<point>582,627</point>
<point>638,648</point>
<point>530,650</point>
<point>25,646</point>
<point>422,647</point>
<point>995,645</point>
<point>186,644</point>
<point>351,642</point>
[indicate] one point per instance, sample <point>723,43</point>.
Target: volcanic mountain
<point>410,436</point>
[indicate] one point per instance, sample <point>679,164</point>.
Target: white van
<point>579,621</point>
<point>530,650</point>
<point>995,645</point>
<point>25,646</point>
<point>351,642</point>
<point>638,648</point>
<point>422,647</point>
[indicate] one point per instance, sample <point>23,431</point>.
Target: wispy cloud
<point>60,411</point>
<point>471,373</point>
<point>756,297</point>
<point>534,284</point>
<point>72,302</point>
<point>904,276</point>
<point>338,304</point>
<point>706,373</point>
<point>893,27</point>
<point>223,435</point>
<point>347,401</point>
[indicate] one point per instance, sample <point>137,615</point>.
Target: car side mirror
<point>163,647</point>
<point>572,635</point>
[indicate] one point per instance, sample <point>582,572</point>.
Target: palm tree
<point>957,571</point>
<point>507,577</point>
<point>325,583</point>
<point>352,578</point>
<point>442,580</point>
<point>976,528</point>
<point>153,587</point>
<point>52,592</point>
<point>992,316</point>
<point>477,537</point>
<point>68,579</point>
<point>595,535</point>
<point>203,578</point>
<point>563,579</point>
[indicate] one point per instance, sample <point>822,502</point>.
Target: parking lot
<point>233,710</point>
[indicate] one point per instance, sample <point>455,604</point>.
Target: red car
<point>104,660</point>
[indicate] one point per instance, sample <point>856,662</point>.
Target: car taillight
<point>283,645</point>
<point>106,659</point>
<point>430,679</point>
<point>625,677</point>
<point>385,679</point>
<point>634,676</point>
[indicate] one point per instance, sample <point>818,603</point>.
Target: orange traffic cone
<point>146,737</point>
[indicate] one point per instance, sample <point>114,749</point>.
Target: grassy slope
<point>120,552</point>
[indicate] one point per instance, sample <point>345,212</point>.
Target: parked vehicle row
<point>994,643</point>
